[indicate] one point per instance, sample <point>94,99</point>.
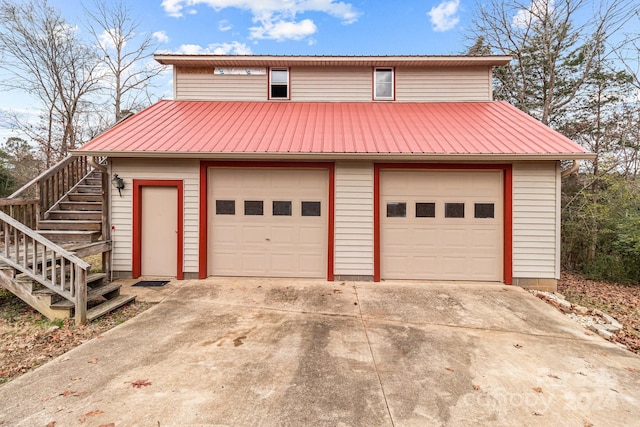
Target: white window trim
<point>393,84</point>
<point>288,82</point>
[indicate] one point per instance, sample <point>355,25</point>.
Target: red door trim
<point>204,191</point>
<point>136,267</point>
<point>508,207</point>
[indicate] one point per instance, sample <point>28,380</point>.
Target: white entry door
<point>159,226</point>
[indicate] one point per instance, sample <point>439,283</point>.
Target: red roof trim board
<point>223,129</point>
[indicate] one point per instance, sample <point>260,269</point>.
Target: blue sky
<point>329,27</point>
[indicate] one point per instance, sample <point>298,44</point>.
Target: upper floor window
<point>383,83</point>
<point>279,83</point>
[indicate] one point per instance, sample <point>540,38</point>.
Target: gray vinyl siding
<point>443,84</point>
<point>354,218</point>
<point>311,84</point>
<point>210,87</point>
<point>339,84</point>
<point>535,220</point>
<point>122,207</point>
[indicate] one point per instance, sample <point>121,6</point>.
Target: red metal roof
<point>383,128</point>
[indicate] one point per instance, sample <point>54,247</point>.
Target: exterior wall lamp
<point>118,183</point>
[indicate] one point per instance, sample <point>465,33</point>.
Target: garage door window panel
<point>311,209</point>
<point>396,210</point>
<point>454,210</point>
<point>254,207</point>
<point>484,210</point>
<point>281,208</point>
<point>425,210</point>
<point>225,207</point>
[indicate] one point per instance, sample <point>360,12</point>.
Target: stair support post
<point>81,295</point>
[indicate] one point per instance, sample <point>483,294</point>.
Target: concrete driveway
<point>300,353</point>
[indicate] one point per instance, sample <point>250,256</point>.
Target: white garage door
<point>267,222</point>
<point>441,225</point>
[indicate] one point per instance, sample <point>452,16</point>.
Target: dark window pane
<point>310,208</point>
<point>454,210</point>
<point>225,207</point>
<point>279,91</point>
<point>253,207</point>
<point>396,209</point>
<point>281,208</point>
<point>425,210</point>
<point>484,210</point>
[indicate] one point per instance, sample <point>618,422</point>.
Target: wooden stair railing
<point>50,186</point>
<point>26,251</point>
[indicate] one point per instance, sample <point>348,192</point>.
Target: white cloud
<point>161,36</point>
<point>233,48</point>
<point>224,25</point>
<point>277,18</point>
<point>282,30</point>
<point>444,17</point>
<point>525,17</point>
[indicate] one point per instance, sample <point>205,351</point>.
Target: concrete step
<point>66,224</point>
<point>76,215</point>
<point>70,236</point>
<point>108,306</point>
<point>80,206</point>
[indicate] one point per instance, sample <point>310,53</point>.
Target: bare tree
<point>553,56</point>
<point>46,59</point>
<point>126,54</point>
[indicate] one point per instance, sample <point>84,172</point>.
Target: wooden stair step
<point>85,249</point>
<point>72,215</point>
<point>70,224</point>
<point>92,294</point>
<point>67,236</point>
<point>80,206</point>
<point>110,305</point>
<point>92,180</point>
<point>91,189</point>
<point>85,197</point>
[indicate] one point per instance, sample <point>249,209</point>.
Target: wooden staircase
<point>45,237</point>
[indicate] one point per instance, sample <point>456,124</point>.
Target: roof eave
<point>284,60</point>
<point>404,157</point>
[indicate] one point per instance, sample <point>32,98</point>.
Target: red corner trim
<point>376,222</point>
<point>136,261</point>
<point>508,207</point>
<point>508,225</point>
<point>204,191</point>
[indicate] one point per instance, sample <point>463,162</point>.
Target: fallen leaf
<point>52,424</point>
<point>94,413</point>
<point>476,387</point>
<point>537,414</point>
<point>537,389</point>
<point>637,371</point>
<point>587,424</point>
<point>449,369</point>
<point>140,383</point>
<point>108,425</point>
<point>94,361</point>
<point>604,355</point>
<point>517,346</point>
<point>553,376</point>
